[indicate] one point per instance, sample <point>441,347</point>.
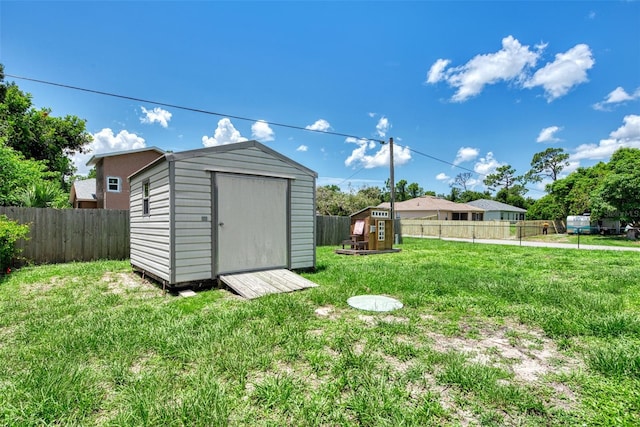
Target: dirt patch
<point>41,287</point>
<point>128,282</point>
<point>527,353</point>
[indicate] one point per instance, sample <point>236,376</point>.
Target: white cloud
<point>568,70</point>
<point>156,115</point>
<point>302,148</point>
<point>616,96</point>
<point>436,72</point>
<point>548,134</point>
<point>465,154</point>
<point>372,115</point>
<point>225,133</point>
<point>443,177</point>
<point>261,131</point>
<point>361,156</point>
<point>507,64</point>
<point>627,135</point>
<point>106,141</point>
<point>320,125</point>
<point>630,130</point>
<point>486,165</point>
<point>383,127</point>
<point>472,182</point>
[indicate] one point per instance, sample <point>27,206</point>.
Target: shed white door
<point>251,222</point>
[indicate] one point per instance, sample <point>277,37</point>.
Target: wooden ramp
<point>259,283</point>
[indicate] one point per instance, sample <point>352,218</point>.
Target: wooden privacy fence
<point>459,229</point>
<point>65,235</point>
<point>331,230</point>
<point>501,230</point>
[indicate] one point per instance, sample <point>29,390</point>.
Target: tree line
<point>605,190</point>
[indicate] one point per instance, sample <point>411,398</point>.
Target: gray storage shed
<point>199,214</point>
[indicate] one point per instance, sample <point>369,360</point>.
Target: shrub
<point>10,233</point>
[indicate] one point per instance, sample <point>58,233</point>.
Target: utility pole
<point>392,182</point>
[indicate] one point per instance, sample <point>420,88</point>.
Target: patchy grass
<point>587,239</point>
<point>489,335</point>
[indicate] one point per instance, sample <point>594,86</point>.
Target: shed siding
<point>150,235</point>
<point>192,221</point>
<point>193,202</point>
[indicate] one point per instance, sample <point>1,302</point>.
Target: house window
<point>145,198</point>
<point>113,184</point>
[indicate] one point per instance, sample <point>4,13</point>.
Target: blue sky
<point>475,84</point>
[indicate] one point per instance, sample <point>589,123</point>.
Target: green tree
<point>573,193</point>
<point>546,207</point>
<point>18,174</point>
<point>415,190</point>
<point>37,134</point>
<point>401,191</point>
<point>43,194</point>
<point>454,195</point>
<point>470,195</point>
<point>462,180</point>
<point>618,193</point>
<point>331,201</point>
<point>372,194</point>
<point>510,188</point>
<point>548,163</point>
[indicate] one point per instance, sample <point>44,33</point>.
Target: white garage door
<point>252,223</point>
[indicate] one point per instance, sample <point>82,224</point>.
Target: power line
<point>458,166</point>
<point>236,117</point>
<point>181,107</point>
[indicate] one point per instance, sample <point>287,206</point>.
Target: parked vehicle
<point>580,224</point>
<point>584,225</point>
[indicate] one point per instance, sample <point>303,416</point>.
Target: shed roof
<point>97,157</point>
<point>430,203</point>
<point>172,157</point>
<point>84,190</point>
<point>492,205</point>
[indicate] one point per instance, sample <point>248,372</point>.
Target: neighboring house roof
<point>492,205</point>
<point>172,157</point>
<point>430,203</point>
<point>97,157</point>
<point>83,190</point>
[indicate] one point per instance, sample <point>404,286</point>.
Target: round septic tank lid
<point>374,303</point>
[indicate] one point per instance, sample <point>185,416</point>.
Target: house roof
<point>83,190</point>
<point>172,157</point>
<point>430,203</point>
<point>368,207</point>
<point>492,205</point>
<point>97,157</point>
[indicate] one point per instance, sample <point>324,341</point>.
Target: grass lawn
<point>587,239</point>
<point>489,335</point>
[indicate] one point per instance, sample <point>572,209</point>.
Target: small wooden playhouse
<point>371,231</point>
<point>212,213</point>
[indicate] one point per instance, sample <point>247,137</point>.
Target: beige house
<point>83,194</point>
<point>111,187</point>
<point>430,207</point>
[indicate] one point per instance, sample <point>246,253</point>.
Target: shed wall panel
<point>149,234</point>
